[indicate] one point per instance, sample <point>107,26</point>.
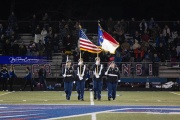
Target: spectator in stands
<point>7,47</point>
<point>40,48</point>
<point>15,48</point>
<point>65,32</point>
<point>143,26</point>
<point>50,32</point>
<point>145,46</point>
<point>161,52</point>
<point>70,25</point>
<point>28,79</point>
<point>136,47</point>
<point>37,34</point>
<point>123,26</point>
<point>137,36</point>
<point>68,44</point>
<point>125,56</point>
<point>155,65</point>
<point>118,58</point>
<point>117,26</point>
<point>156,35</point>
<point>145,66</point>
<point>133,26</point>
<point>9,32</point>
<point>12,76</point>
<point>43,34</point>
<point>151,25</point>
<point>1,30</point>
<point>48,48</point>
<point>33,24</point>
<point>110,25</point>
<point>3,39</point>
<point>177,27</point>
<point>22,49</point>
<point>125,45</point>
<point>12,21</point>
<point>145,37</point>
<point>12,37</point>
<point>47,20</point>
<point>76,55</point>
<point>42,77</point>
<point>32,48</point>
<point>166,34</point>
<point>173,54</point>
<point>119,36</point>
<point>55,41</point>
<point>4,77</point>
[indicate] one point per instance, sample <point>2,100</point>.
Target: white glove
<point>106,73</point>
<point>97,76</point>
<point>80,77</point>
<point>64,75</point>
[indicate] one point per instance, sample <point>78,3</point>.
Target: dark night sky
<point>162,10</point>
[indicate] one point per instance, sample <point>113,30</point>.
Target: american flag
<point>86,45</point>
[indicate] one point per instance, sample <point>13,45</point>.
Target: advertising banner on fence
<point>22,60</point>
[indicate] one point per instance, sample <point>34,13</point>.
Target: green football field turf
<point>124,98</point>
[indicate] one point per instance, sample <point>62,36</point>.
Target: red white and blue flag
<point>86,45</point>
<point>106,41</point>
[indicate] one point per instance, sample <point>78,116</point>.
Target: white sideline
<point>91,98</point>
<point>5,93</point>
<point>174,93</point>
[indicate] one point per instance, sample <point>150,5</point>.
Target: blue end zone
<point>36,112</point>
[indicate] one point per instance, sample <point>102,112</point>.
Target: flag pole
<point>80,64</point>
<point>97,65</point>
<point>80,52</point>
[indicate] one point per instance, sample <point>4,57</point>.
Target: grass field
<point>169,103</point>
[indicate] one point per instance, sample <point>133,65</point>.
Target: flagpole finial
<point>80,26</point>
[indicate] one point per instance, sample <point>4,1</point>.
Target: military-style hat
<point>111,62</point>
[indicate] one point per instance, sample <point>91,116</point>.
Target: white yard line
<point>174,93</point>
<point>91,98</point>
<point>93,115</point>
<point>5,93</point>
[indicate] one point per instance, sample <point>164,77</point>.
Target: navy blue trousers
<point>68,89</point>
<point>111,89</point>
<point>97,86</point>
<point>80,85</point>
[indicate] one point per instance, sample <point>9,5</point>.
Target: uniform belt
<point>112,75</point>
<point>68,75</point>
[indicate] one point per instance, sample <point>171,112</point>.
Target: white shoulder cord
<point>78,71</point>
<point>106,73</point>
<point>84,70</point>
<point>100,69</point>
